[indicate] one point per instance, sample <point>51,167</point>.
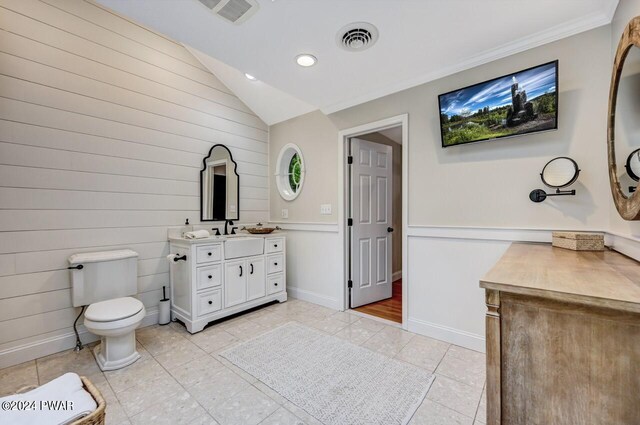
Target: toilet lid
<point>111,310</point>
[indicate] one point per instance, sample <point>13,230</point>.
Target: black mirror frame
<point>235,171</point>
<point>627,166</point>
<point>573,179</point>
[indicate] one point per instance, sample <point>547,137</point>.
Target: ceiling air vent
<point>357,36</point>
<point>234,11</point>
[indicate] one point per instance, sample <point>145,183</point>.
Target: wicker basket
<point>579,241</point>
<point>97,417</point>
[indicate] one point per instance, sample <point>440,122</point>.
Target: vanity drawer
<point>275,263</point>
<point>275,284</point>
<point>208,253</point>
<point>209,302</point>
<point>274,245</point>
<point>209,276</point>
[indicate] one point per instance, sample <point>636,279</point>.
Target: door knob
<point>390,229</point>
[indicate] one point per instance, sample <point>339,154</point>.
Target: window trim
<point>282,171</point>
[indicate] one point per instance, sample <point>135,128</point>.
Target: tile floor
<point>181,379</point>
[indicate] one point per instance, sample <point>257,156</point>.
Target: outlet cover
<point>285,213</point>
<point>325,209</point>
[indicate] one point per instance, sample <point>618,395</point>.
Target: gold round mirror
<point>623,79</point>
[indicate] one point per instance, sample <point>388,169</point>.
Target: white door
<point>235,283</point>
<point>371,232</point>
<point>256,282</point>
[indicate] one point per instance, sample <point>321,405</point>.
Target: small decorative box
<point>579,241</point>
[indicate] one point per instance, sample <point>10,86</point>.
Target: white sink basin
<point>243,246</point>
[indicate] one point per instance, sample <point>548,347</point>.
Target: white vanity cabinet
<point>206,287</point>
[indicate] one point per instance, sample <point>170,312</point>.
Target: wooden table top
<point>604,279</point>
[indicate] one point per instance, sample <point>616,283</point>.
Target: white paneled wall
<point>314,271</point>
<point>103,128</point>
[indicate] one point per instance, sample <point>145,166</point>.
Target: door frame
<point>343,138</point>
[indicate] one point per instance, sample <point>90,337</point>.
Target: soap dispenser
<point>186,228</point>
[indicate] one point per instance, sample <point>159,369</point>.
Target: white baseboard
<point>55,344</point>
<point>314,298</point>
<point>445,333</point>
<point>626,245</point>
<point>396,275</point>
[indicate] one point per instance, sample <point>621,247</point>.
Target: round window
<point>290,172</point>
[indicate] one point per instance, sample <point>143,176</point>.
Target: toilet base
<point>116,352</point>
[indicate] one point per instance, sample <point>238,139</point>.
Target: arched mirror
<point>623,135</point>
<point>219,186</point>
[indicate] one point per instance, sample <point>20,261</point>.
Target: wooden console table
<point>563,337</point>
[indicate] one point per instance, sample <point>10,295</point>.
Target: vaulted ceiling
<point>419,41</point>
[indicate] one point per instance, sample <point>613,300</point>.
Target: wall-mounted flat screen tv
<point>520,103</point>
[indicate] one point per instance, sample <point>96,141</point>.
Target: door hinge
<point>349,222</point>
<point>349,160</point>
<point>350,284</point>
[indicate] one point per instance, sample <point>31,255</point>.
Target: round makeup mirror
<point>560,172</point>
<point>623,128</point>
<point>633,165</point>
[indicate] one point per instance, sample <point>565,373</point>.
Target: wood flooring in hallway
<point>390,309</point>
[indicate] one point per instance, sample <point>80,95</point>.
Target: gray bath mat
<point>333,380</point>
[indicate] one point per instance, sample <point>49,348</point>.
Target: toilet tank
<point>101,276</point>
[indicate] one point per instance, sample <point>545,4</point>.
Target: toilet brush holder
<point>164,309</point>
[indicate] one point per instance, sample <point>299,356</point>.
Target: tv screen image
<point>519,103</point>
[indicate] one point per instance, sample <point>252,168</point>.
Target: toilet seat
<point>113,310</point>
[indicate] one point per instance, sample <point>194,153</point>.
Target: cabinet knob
<point>275,245</point>
<point>275,284</point>
<point>275,264</point>
<point>209,254</point>
<point>210,276</point>
<point>210,302</point>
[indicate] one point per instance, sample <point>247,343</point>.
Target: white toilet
<point>104,281</point>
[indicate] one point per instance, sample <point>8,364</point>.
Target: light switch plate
<point>325,209</point>
<point>285,213</point>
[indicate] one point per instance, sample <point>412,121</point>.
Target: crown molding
<point>550,35</point>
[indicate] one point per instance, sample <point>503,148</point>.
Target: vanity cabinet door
<point>256,284</point>
<point>235,283</point>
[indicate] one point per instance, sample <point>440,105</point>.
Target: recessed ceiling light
<point>306,60</point>
<point>250,77</point>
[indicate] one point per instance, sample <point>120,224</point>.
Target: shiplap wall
<point>103,128</point>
